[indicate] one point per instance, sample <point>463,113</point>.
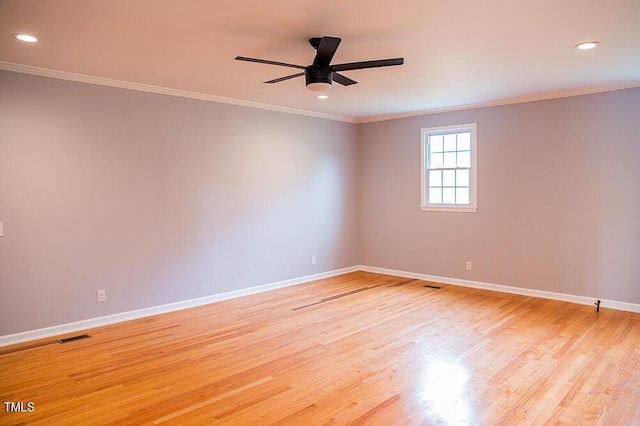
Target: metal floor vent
<point>47,343</point>
<point>432,286</point>
<point>74,338</point>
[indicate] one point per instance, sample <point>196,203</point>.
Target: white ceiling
<point>457,52</point>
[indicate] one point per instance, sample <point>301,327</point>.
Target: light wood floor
<point>357,349</point>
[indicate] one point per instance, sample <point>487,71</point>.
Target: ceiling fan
<point>320,74</point>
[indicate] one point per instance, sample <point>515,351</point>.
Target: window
<point>449,168</point>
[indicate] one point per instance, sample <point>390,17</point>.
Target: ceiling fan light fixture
<point>319,86</point>
<point>323,96</point>
<point>586,45</point>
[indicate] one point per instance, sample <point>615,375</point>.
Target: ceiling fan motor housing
<point>314,75</point>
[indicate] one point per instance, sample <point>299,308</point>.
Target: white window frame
<point>473,170</point>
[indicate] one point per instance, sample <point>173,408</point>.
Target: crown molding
<point>101,81</point>
<point>543,96</point>
<point>89,79</point>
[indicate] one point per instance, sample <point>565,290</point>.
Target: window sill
<point>464,209</point>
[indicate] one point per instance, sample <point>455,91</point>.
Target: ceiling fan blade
<point>326,49</point>
<point>277,80</point>
<point>368,64</point>
<point>345,81</point>
<point>264,61</point>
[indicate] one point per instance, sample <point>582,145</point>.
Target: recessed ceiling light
<point>587,45</point>
<point>26,37</point>
<point>322,96</point>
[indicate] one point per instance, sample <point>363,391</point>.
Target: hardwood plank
<point>397,353</point>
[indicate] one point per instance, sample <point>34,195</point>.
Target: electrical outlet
<point>102,296</point>
<point>313,260</point>
<point>468,266</point>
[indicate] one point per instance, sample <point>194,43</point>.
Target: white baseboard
<point>56,330</point>
<point>582,300</point>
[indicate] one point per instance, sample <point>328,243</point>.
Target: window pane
<point>448,196</point>
<point>435,162</point>
<point>449,159</point>
<point>464,141</point>
<point>464,159</point>
<point>449,175</point>
<point>450,142</point>
<point>435,178</point>
<point>449,178</point>
<point>435,195</point>
<point>462,195</point>
<point>462,177</point>
<point>435,143</point>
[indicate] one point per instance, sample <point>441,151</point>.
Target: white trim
<point>121,84</point>
<point>56,330</point>
<point>533,97</point>
<point>448,208</point>
<point>582,300</point>
<point>425,133</point>
<point>83,78</point>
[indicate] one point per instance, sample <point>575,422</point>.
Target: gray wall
<point>160,199</point>
<point>558,197</point>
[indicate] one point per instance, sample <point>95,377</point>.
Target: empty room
<point>304,213</point>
